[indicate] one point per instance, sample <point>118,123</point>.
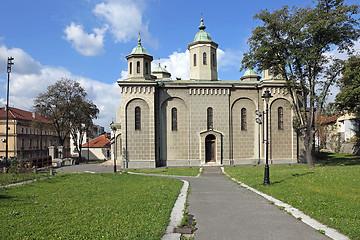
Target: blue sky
<point>88,40</point>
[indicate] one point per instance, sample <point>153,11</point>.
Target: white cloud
<point>87,44</point>
<point>124,17</point>
<point>178,63</point>
<point>25,86</point>
<point>24,63</point>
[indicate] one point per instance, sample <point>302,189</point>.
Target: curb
<point>330,232</point>
<point>177,214</point>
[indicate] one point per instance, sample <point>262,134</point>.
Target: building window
<point>22,131</point>
<point>210,118</point>
<point>137,118</point>
<point>22,143</point>
<point>194,59</point>
<point>130,68</point>
<point>174,119</point>
<point>137,67</point>
<point>280,118</point>
<point>213,59</point>
<point>37,143</point>
<point>25,130</point>
<point>243,119</point>
<point>146,68</point>
<point>30,143</point>
<point>204,58</point>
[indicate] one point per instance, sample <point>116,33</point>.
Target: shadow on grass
<point>337,159</point>
<point>294,175</point>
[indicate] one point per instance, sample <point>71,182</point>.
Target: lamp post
<point>9,63</point>
<point>266,96</point>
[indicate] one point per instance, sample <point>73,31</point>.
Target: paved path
<point>92,167</point>
<point>223,210</point>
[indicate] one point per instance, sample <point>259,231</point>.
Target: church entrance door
<point>210,142</point>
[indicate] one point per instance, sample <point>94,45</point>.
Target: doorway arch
<point>210,148</point>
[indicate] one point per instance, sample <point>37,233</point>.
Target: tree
<point>293,43</point>
<point>65,105</point>
<point>81,122</point>
<point>349,96</point>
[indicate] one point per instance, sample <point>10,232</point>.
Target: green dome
<point>202,35</point>
<point>139,49</point>
<point>250,72</point>
<point>160,69</point>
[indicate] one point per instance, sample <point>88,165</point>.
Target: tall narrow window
<point>210,118</point>
<point>130,68</point>
<point>243,119</point>
<point>194,59</point>
<point>137,118</point>
<point>280,118</point>
<point>146,68</point>
<point>204,58</point>
<point>174,119</point>
<point>213,59</point>
<point>137,67</point>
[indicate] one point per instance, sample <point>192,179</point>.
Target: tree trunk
<point>308,142</point>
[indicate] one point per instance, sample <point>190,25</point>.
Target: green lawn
<point>330,194</point>
<point>169,171</point>
<point>88,206</point>
<point>7,178</point>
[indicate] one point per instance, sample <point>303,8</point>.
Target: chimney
<point>33,115</point>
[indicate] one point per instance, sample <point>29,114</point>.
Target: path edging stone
<point>330,232</point>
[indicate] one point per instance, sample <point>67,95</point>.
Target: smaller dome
<point>139,49</point>
<point>250,72</point>
<point>160,69</point>
<point>202,35</point>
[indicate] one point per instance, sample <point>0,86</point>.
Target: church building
<point>202,120</point>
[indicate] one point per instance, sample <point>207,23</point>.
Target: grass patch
<point>328,193</point>
<point>8,178</point>
<point>169,171</point>
<point>88,206</point>
<point>337,159</point>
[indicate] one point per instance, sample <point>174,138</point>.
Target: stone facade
<point>202,120</point>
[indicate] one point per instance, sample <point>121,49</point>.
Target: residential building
<point>97,148</point>
<point>29,135</point>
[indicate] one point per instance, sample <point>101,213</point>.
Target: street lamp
<point>9,63</point>
<point>266,96</point>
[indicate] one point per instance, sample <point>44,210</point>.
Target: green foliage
<point>349,96</point>
<point>65,105</point>
<point>88,206</point>
<point>293,42</point>
<point>330,194</point>
<point>169,171</point>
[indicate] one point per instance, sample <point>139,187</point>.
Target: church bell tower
<point>203,58</point>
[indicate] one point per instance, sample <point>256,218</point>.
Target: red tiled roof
<point>327,119</point>
<point>15,113</point>
<point>100,141</point>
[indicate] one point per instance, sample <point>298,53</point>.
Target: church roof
<point>250,72</point>
<point>202,35</point>
<point>139,49</point>
<point>160,69</point>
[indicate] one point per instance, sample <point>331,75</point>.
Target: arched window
<point>146,68</point>
<point>137,67</point>
<point>204,58</point>
<point>210,118</point>
<point>174,119</point>
<point>194,59</point>
<point>137,118</point>
<point>213,59</point>
<point>130,68</point>
<point>243,119</point>
<point>280,118</point>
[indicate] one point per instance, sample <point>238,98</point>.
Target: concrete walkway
<point>223,210</point>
